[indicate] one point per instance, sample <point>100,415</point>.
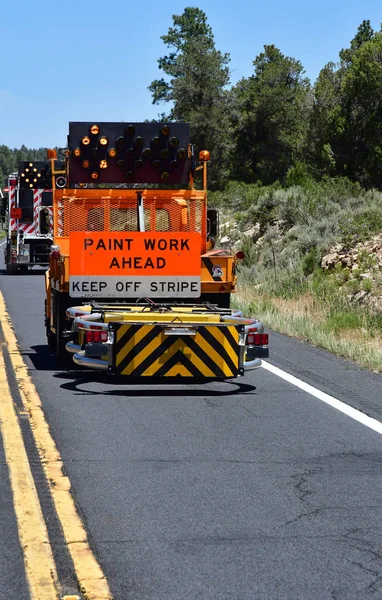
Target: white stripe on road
<point>337,404</point>
<point>2,243</point>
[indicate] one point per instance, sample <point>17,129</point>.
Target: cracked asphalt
<point>250,490</point>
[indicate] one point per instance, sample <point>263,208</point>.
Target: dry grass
<point>307,319</point>
<point>302,306</point>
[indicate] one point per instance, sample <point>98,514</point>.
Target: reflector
<point>61,181</point>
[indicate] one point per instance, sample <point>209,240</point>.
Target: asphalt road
<point>252,490</point>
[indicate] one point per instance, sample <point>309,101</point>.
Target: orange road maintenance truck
<point>135,286</point>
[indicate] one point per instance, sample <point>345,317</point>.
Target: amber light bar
<point>129,153</point>
<point>35,174</point>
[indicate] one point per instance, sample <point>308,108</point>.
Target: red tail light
<point>96,336</point>
<point>13,182</point>
<point>257,339</point>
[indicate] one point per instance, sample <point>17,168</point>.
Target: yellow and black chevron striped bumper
<point>166,350</point>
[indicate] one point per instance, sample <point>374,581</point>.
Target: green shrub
<point>324,286</point>
<point>364,222</point>
<point>298,175</point>
<point>353,286</point>
<point>342,320</point>
<point>367,285</point>
<point>310,261</point>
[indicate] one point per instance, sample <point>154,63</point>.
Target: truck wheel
<point>61,354</point>
<point>11,268</point>
<point>51,339</point>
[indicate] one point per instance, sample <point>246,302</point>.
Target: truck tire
<point>11,268</point>
<point>58,342</point>
<point>51,339</point>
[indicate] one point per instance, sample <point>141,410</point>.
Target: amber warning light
<point>204,156</point>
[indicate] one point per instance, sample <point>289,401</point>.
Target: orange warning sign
<point>141,254</point>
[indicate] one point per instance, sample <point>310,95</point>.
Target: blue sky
<point>93,60</point>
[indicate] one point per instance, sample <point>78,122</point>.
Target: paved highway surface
<point>250,490</point>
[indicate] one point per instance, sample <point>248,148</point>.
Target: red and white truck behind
<point>28,217</point>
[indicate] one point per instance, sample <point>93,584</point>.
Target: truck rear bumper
<point>251,365</point>
<point>174,343</point>
<point>97,363</point>
<point>90,362</point>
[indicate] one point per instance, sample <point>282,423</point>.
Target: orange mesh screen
<point>91,210</point>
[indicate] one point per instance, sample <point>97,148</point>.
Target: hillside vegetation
<point>313,261</point>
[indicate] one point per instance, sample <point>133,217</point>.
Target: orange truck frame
<point>135,286</point>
